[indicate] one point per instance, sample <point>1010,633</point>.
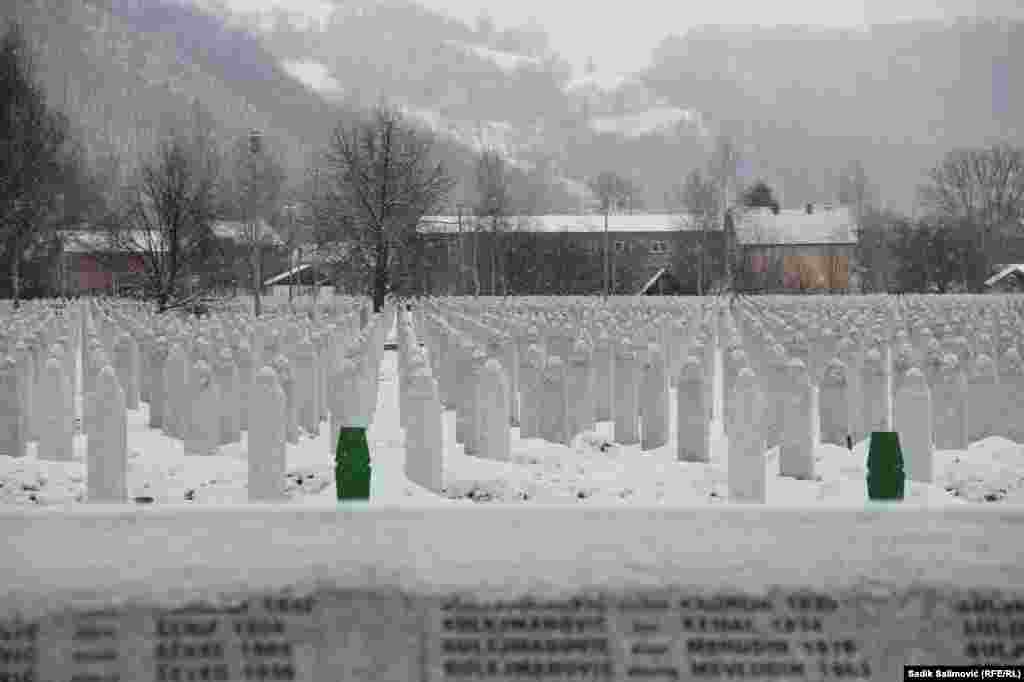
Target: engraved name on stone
<point>191,644</point>
<point>535,639</point>
<point>95,647</point>
<point>794,635</point>
<point>993,629</point>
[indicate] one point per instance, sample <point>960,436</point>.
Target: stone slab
<point>433,595</point>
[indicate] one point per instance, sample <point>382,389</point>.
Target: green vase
<point>352,465</point>
<point>885,467</point>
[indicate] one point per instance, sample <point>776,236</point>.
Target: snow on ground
<point>594,470</point>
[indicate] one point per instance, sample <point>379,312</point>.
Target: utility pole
<point>607,276</point>
<point>294,258</point>
<point>316,255</point>
<point>255,147</point>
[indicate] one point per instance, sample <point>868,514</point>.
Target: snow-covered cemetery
<point>424,341</point>
<point>527,400</point>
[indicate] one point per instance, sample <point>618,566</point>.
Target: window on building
<point>658,246</point>
<point>620,247</point>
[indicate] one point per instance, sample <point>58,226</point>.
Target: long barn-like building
<point>794,250</point>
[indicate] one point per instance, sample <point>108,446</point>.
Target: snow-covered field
<point>593,471</point>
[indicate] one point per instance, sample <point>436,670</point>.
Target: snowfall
<point>593,470</point>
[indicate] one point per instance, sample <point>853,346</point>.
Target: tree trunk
<point>257,303</point>
<point>476,261</point>
<point>703,249</point>
<point>607,276</point>
<point>16,278</point>
<point>380,274</point>
<point>493,255</point>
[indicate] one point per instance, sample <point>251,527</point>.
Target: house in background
<point>90,263</point>
<point>797,250</point>
<point>300,281</point>
<point>564,250</point>
<point>791,251</point>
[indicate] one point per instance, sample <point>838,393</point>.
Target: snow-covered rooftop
<point>833,226</point>
<point>647,222</point>
<point>1017,268</point>
<point>87,241</point>
<point>823,226</point>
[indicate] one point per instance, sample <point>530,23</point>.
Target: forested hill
<point>801,102</point>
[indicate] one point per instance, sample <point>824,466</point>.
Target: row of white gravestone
<point>105,418</point>
<point>747,473</point>
<point>796,416</point>
<point>868,395</point>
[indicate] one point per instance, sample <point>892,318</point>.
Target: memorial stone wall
<point>397,596</point>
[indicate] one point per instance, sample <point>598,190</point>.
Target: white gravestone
<point>530,383</point>
<point>23,357</point>
<point>746,471</point>
<point>692,413</point>
<point>876,395</point>
<point>913,413</point>
<point>580,393</point>
<point>494,430</point>
<point>12,411</point>
<point>796,454</point>
<point>1011,402</point>
<point>226,376</point>
<point>475,408</point>
<point>554,403</point>
<point>203,434</point>
<point>126,365</point>
<point>984,399</point>
<point>950,406</point>
<point>284,375</point>
<point>107,455</point>
<point>244,361</point>
<point>654,394</point>
<point>57,417</point>
<point>604,382</point>
<point>267,450</point>
<point>176,382</point>
<point>307,410</point>
<point>834,404</point>
<point>627,396</point>
<point>424,446</point>
<point>158,398</point>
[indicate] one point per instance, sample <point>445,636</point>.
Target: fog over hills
<point>800,101</point>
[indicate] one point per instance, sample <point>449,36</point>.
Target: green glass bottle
<point>885,467</point>
<point>352,464</point>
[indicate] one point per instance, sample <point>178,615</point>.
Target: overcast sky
<point>620,35</point>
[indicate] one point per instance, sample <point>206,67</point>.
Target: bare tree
<point>855,190</point>
<point>610,190</point>
<point>698,199</point>
<point>168,221</point>
<point>723,168</point>
<point>34,161</point>
<point>493,206</point>
<point>381,172</point>
<point>253,195</point>
<point>982,190</point>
